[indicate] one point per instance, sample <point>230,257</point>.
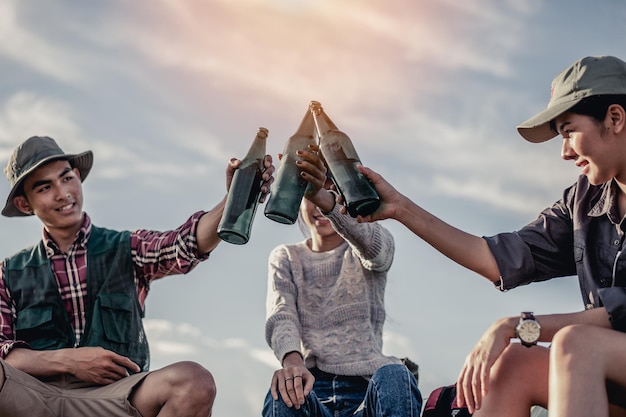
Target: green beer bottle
<point>289,187</point>
<point>244,193</point>
<point>337,149</point>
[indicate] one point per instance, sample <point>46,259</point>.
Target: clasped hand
<point>473,382</point>
<point>294,383</point>
<point>100,366</point>
<point>268,175</point>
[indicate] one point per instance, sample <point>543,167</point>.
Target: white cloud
<point>181,336</point>
<point>240,369</point>
<point>398,345</point>
<point>33,50</point>
<point>489,191</point>
<point>26,114</point>
<point>242,372</point>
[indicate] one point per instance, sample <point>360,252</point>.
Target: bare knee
<point>183,388</point>
<point>570,343</point>
<point>577,355</point>
<point>196,380</point>
<point>518,361</point>
<point>522,372</point>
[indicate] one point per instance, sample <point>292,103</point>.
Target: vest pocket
<point>116,310</point>
<point>36,326</point>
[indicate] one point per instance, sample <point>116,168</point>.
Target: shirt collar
<point>607,203</point>
<point>82,237</point>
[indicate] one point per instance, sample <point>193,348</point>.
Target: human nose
<point>567,153</point>
<point>63,193</point>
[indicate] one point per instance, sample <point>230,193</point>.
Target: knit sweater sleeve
<point>371,242</point>
<point>282,326</point>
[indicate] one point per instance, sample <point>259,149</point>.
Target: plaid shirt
<point>154,255</point>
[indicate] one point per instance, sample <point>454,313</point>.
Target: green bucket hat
<point>32,154</point>
<point>589,76</point>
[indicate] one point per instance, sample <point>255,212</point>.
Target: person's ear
<point>616,117</point>
<point>22,204</point>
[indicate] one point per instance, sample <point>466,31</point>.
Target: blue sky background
<point>165,92</point>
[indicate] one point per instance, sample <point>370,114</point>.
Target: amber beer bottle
<point>337,149</point>
<point>244,193</point>
<point>289,187</point>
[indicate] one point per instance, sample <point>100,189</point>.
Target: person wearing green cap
<point>582,371</point>
<point>72,342</point>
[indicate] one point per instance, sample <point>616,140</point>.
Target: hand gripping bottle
<point>336,148</point>
<point>288,188</point>
<point>244,193</point>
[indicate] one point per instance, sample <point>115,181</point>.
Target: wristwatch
<point>528,329</point>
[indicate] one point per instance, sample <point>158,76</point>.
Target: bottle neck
<point>307,126</point>
<point>323,123</point>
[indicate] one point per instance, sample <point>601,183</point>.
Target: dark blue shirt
<point>581,234</point>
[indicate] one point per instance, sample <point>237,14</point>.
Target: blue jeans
<point>391,392</point>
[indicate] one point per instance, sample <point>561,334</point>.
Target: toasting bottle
<point>289,187</point>
<point>244,193</point>
<point>342,159</point>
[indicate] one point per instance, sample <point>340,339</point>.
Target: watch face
<point>528,331</point>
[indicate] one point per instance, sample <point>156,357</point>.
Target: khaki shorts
<point>22,395</point>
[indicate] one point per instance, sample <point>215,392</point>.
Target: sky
<point>165,92</point>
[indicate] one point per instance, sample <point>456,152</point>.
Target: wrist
<point>325,200</point>
<point>293,358</point>
<point>59,361</point>
<point>506,327</point>
<point>528,329</point>
<point>404,209</point>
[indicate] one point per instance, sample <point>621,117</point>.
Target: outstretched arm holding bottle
<point>464,248</point>
<point>582,368</point>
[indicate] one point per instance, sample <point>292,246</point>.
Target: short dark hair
<point>595,106</point>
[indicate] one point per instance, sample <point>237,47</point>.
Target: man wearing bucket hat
<point>72,341</point>
<point>582,373</point>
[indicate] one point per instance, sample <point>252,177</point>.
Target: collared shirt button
<point>616,242</point>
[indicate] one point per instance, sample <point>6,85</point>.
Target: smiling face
<point>316,222</point>
<point>53,192</point>
<point>592,145</point>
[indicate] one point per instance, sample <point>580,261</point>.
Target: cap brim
<point>537,129</point>
<point>83,162</point>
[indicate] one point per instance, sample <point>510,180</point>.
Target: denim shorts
<point>24,395</point>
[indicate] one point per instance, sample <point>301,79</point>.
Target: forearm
<point>552,323</point>
<point>373,244</point>
<point>206,233</point>
<point>324,199</point>
<point>466,249</point>
<point>40,363</point>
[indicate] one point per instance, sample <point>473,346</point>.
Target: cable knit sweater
<point>329,306</point>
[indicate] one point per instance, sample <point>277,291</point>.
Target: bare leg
<point>582,359</point>
<point>518,380</point>
<point>183,389</point>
